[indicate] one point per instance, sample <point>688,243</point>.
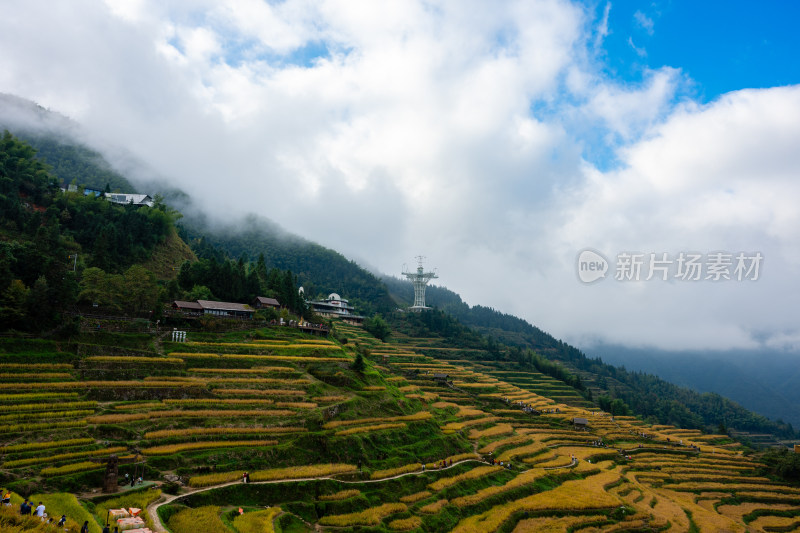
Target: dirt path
<point>152,509</point>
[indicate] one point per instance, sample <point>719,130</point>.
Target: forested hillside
<point>68,160</point>
<point>60,251</point>
<point>319,270</point>
<point>645,394</point>
<point>46,235</point>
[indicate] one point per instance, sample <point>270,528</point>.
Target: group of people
<point>133,480</point>
<point>27,508</point>
<point>444,463</point>
<point>492,461</point>
<point>246,477</point>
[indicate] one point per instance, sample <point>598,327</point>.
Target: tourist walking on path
<point>40,511</point>
<point>85,528</point>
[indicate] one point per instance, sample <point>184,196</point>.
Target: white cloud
<point>453,129</point>
<point>641,51</point>
<point>602,28</point>
<point>644,22</point>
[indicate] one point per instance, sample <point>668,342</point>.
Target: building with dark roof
<point>580,422</point>
<point>230,309</point>
<point>262,302</point>
<point>187,307</point>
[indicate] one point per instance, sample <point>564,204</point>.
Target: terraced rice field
<point>331,450</point>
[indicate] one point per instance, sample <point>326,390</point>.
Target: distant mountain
<point>767,382</point>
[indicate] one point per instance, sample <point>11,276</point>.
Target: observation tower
<point>419,279</point>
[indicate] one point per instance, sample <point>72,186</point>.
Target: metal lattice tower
<point>419,279</point>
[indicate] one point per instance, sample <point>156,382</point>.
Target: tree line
<point>221,278</point>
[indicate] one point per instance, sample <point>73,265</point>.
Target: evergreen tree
<point>358,363</point>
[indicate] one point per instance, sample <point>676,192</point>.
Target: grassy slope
<point>167,257</point>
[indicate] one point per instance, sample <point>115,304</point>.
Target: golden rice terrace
<point>419,442</point>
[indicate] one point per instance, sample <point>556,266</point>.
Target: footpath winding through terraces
<point>152,509</point>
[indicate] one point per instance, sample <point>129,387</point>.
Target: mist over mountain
<point>765,381</point>
<point>322,270</point>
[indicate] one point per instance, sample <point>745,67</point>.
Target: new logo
<point>592,266</point>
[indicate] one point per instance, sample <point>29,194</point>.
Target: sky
<point>498,139</point>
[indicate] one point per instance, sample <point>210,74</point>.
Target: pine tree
<point>358,363</point>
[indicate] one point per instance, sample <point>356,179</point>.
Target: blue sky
<point>721,46</point>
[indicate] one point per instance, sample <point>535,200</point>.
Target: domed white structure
<point>334,306</point>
